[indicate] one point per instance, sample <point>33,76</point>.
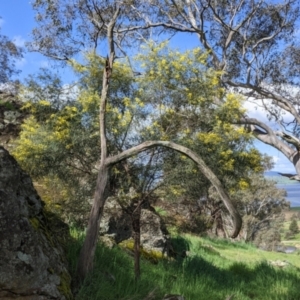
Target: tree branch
<point>201,165</point>
<point>268,136</point>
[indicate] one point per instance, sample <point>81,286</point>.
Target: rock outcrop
<point>11,118</point>
<point>32,264</point>
<point>117,225</point>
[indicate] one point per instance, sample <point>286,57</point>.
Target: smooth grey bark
<point>287,144</point>
<point>86,257</point>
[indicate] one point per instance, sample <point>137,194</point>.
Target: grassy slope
<point>215,269</point>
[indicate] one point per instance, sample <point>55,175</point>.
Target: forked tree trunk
<point>86,258</point>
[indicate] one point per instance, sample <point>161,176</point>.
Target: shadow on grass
<point>194,277</point>
<point>180,247</point>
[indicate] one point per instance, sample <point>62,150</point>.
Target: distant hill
<point>273,175</point>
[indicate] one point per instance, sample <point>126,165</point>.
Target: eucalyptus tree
<point>254,43</point>
<point>96,21</point>
<point>106,161</point>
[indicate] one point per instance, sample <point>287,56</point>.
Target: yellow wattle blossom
<point>187,131</point>
<point>44,103</point>
<point>243,184</point>
<point>126,101</point>
<point>209,137</point>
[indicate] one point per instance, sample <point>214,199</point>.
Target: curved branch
<point>237,220</point>
<point>268,136</point>
<point>289,139</point>
<point>254,121</point>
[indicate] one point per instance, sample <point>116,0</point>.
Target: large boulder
<point>116,224</point>
<point>11,118</point>
<point>32,263</point>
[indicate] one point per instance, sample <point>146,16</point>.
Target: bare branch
<point>263,92</point>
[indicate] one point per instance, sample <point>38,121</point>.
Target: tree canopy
<point>254,44</point>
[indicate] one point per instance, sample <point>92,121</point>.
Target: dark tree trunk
<point>136,226</point>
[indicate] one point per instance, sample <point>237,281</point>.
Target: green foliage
<point>294,228</point>
<point>268,239</point>
<point>178,94</point>
<point>199,118</point>
<point>7,105</point>
<point>162,212</point>
<point>261,205</point>
<point>59,143</point>
<point>9,55</point>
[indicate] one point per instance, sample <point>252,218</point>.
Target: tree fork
<point>85,262</point>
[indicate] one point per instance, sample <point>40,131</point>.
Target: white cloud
<point>283,165</point>
<point>284,168</point>
<point>256,109</point>
<point>19,41</point>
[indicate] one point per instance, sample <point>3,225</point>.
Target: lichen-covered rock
<point>11,118</point>
<point>153,231</point>
<point>32,264</point>
<point>117,224</point>
<point>279,263</point>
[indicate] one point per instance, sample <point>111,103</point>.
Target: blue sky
<point>17,23</point>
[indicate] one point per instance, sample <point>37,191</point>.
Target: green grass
<point>160,211</point>
<point>214,269</point>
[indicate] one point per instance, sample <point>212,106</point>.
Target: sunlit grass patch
<point>213,269</point>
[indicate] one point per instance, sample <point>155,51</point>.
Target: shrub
<point>294,227</point>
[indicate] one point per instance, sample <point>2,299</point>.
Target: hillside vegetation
<point>152,125</point>
<point>213,269</point>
